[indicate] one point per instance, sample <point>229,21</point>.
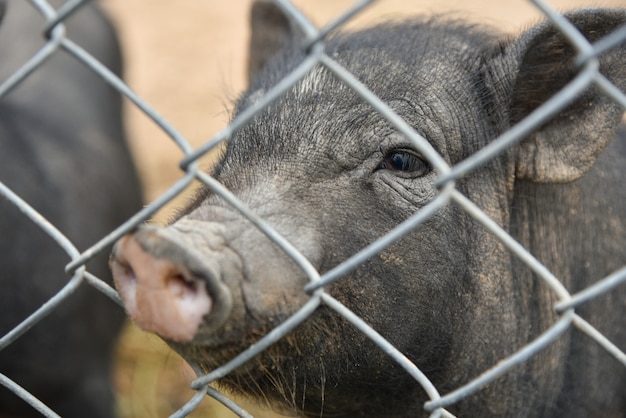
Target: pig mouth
<point>307,373</point>
<point>285,371</point>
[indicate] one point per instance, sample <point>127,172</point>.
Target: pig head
<point>331,175</point>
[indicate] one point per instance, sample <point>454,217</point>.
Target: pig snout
<point>166,287</point>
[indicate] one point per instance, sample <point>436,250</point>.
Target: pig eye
<point>404,161</point>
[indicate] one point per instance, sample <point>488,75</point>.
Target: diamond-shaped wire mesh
<point>59,43</point>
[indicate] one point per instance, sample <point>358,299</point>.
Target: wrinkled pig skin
<point>326,171</point>
<point>62,150</point>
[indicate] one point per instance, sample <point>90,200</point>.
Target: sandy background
<point>187,59</point>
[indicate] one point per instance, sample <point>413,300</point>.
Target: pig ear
<point>271,31</point>
<point>564,148</point>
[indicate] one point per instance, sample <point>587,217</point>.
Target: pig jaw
<point>168,288</point>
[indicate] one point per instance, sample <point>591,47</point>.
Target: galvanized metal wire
<point>57,42</point>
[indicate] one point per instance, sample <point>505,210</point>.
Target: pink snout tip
<point>159,295</point>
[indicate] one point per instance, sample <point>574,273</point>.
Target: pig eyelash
<point>405,162</point>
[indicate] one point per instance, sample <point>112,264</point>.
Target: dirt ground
<point>187,59</point>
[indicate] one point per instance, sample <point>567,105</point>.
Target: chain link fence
<point>589,75</point>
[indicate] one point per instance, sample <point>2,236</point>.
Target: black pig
<point>63,150</point>
<point>332,175</point>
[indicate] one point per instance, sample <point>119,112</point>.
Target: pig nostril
<point>123,270</point>
<point>183,287</point>
<point>125,281</point>
<point>129,273</point>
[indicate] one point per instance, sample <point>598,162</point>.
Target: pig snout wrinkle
<point>160,295</point>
